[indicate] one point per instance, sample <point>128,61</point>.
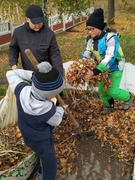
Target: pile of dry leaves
<point>116,129</point>
<point>78,69</point>
<point>12,148</point>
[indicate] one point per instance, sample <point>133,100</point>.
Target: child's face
<point>93,32</point>
<point>51,97</point>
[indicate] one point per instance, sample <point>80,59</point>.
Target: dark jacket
<point>31,126</point>
<point>42,43</point>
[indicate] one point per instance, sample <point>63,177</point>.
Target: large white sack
<point>8,109</point>
<point>128,78</point>
<point>127,81</point>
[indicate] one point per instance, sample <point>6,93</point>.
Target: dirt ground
<point>97,163</point>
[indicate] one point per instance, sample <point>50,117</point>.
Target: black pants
<point>46,152</point>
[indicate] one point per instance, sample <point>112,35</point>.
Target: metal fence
<point>55,24</point>
<point>6,30</point>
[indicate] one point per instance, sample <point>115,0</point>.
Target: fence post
<point>51,23</point>
<point>73,18</point>
<point>63,20</point>
<point>11,27</point>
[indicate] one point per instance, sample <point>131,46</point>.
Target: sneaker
<point>106,110</point>
<point>39,176</point>
<point>127,104</point>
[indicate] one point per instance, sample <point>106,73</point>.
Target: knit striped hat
<point>47,81</point>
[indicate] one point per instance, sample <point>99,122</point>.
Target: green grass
<point>3,89</point>
<point>127,42</point>
<point>72,49</point>
<point>71,45</point>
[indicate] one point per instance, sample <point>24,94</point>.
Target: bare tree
<point>111,11</point>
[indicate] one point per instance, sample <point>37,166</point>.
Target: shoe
<point>39,176</point>
<point>127,104</point>
<point>106,110</point>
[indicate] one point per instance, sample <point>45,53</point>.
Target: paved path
<point>96,163</point>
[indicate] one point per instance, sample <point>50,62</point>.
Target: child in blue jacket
<point>37,114</point>
<point>104,47</point>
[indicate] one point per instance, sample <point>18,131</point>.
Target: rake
<point>34,62</point>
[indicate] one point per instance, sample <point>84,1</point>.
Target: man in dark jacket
<point>37,37</point>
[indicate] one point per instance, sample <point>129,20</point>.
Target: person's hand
<point>14,67</point>
<point>65,108</point>
<point>84,58</point>
<point>88,75</point>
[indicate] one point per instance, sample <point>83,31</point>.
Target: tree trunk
<point>111,11</point>
<point>45,11</point>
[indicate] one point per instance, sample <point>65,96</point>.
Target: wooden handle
<point>70,116</point>
<point>31,57</point>
<point>35,63</point>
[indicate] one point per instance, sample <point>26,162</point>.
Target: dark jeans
<point>46,152</point>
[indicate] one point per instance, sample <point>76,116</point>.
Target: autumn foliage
<point>77,70</point>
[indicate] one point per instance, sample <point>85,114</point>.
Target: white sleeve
<point>17,76</point>
<point>109,51</point>
<point>56,119</point>
<point>87,52</point>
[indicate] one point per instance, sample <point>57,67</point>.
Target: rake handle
<point>34,62</point>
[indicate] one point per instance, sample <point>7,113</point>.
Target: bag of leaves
<point>20,171</point>
<point>17,161</point>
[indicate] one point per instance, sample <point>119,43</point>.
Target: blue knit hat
<point>47,81</point>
